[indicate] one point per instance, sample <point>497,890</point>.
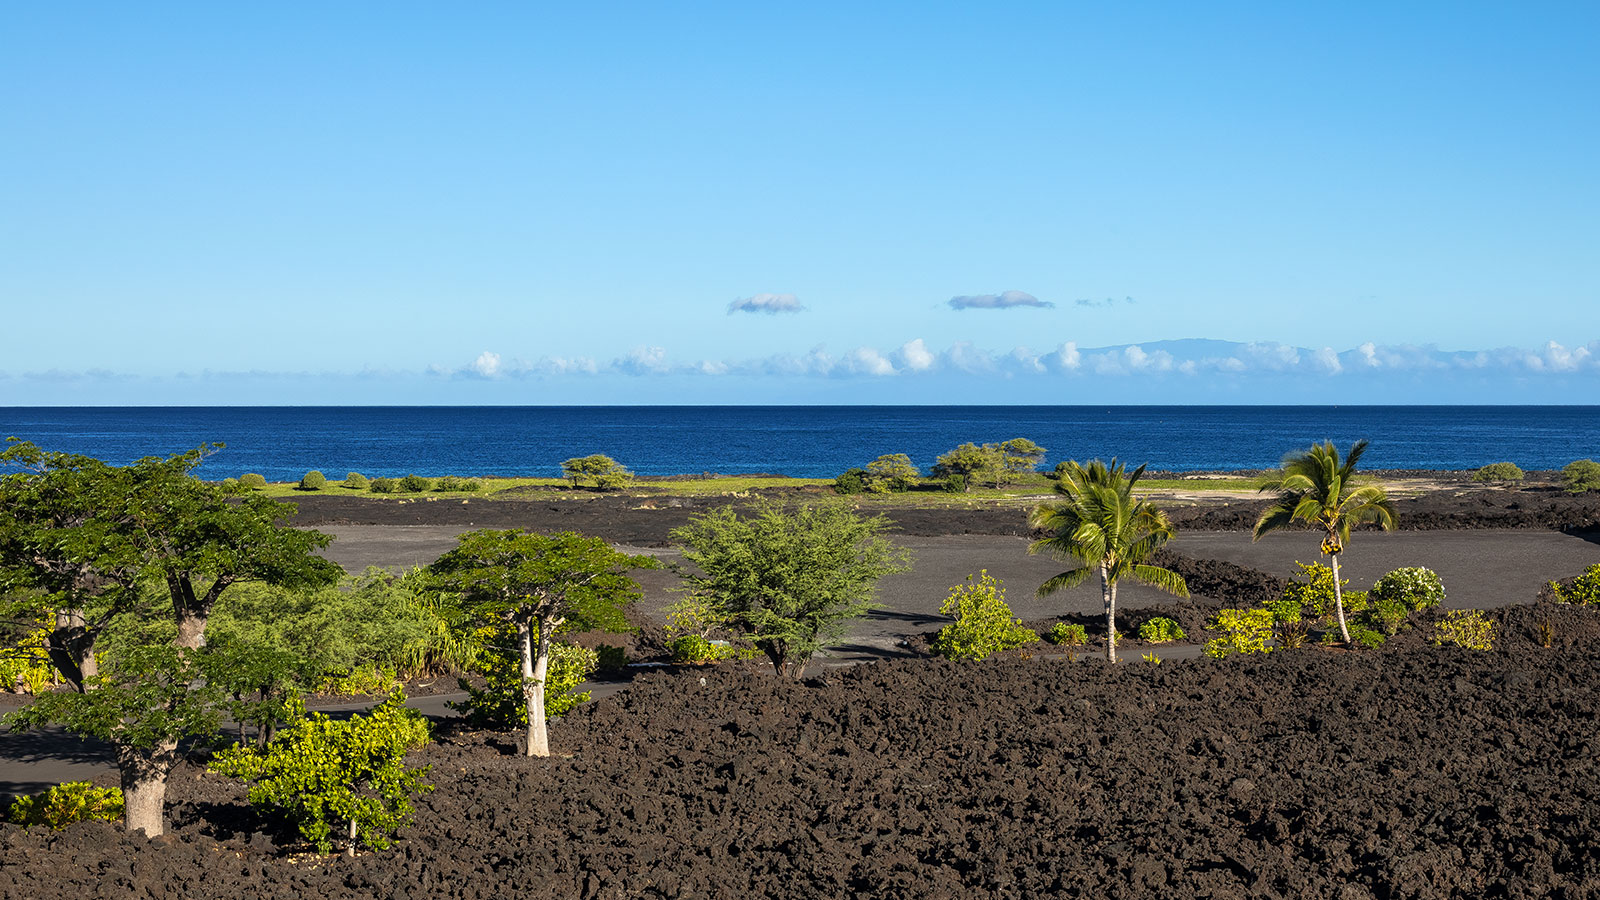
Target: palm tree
<point>1101,525</point>
<point>1315,487</point>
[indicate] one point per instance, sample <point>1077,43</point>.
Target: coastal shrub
<point>983,622</point>
<point>500,703</point>
<point>694,649</point>
<point>1289,627</point>
<point>1413,586</point>
<point>851,481</point>
<point>469,485</point>
<point>1066,635</point>
<point>1583,591</point>
<point>313,481</point>
<point>252,480</point>
<point>414,484</point>
<point>447,483</point>
<point>1468,628</point>
<point>355,481</point>
<point>359,680</point>
<point>330,776</point>
<point>230,484</point>
<point>1160,630</point>
<point>610,659</point>
<point>1581,475</point>
<point>1243,631</point>
<point>954,484</point>
<point>1500,471</point>
<point>382,485</point>
<point>605,472</point>
<point>64,804</point>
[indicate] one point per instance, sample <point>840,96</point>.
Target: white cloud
<point>1327,360</point>
<point>914,356</point>
<point>1002,300</point>
<point>766,303</point>
<point>1065,359</point>
<point>642,361</point>
<point>487,365</point>
<point>865,361</point>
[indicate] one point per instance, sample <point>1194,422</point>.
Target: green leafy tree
<point>971,462</point>
<point>197,539</point>
<point>312,481</point>
<point>891,473</point>
<point>791,579</point>
<point>1099,524</point>
<point>983,622</point>
<point>603,471</point>
<point>500,702</point>
<point>325,774</point>
<point>539,585</point>
<point>1316,487</point>
<point>65,551</point>
<point>143,703</point>
<point>1018,457</point>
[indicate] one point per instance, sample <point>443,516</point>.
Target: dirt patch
<point>1429,774</point>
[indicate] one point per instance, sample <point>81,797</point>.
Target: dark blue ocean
<point>282,443</point>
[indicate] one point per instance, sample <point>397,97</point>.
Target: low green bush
<point>1500,471</point>
<point>324,774</point>
<point>230,484</point>
<point>1289,626</point>
<point>1584,590</point>
<point>983,622</point>
<point>852,481</point>
<point>25,664</point>
<point>253,481</point>
<point>383,485</point>
<point>1468,628</point>
<point>1066,635</point>
<point>313,481</point>
<point>355,481</point>
<point>694,649</point>
<point>1243,631</point>
<point>610,659</point>
<point>1361,635</point>
<point>414,484</point>
<point>64,804</point>
<point>469,485</point>
<point>1387,615</point>
<point>1413,586</point>
<point>1160,630</point>
<point>954,484</point>
<point>1581,475</point>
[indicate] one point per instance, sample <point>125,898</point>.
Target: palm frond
<point>1065,581</point>
<point>1161,579</point>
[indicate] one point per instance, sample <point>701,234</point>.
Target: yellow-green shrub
<point>1468,628</point>
<point>26,668</point>
<point>1160,630</point>
<point>64,804</point>
<point>983,622</point>
<point>1243,631</point>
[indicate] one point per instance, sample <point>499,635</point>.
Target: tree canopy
<point>540,585</point>
<point>792,579</point>
<point>602,471</point>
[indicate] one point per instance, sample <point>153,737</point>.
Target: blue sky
<point>742,203</point>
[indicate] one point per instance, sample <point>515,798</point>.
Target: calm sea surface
<point>282,443</point>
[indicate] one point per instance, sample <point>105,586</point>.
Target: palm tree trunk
<point>1338,600</point>
<point>1108,590</point>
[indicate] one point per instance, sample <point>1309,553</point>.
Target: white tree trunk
<point>1108,591</point>
<point>535,653</point>
<point>1338,600</point>
<point>144,786</point>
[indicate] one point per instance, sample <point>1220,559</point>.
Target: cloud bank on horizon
<point>1185,358</point>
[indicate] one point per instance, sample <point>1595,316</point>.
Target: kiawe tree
<point>1316,487</point>
<point>792,580</point>
<point>1100,524</point>
<point>151,522</point>
<point>540,585</point>
<point>605,472</point>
